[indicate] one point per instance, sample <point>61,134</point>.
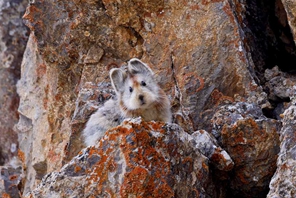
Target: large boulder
<point>135,159</point>
<point>252,141</point>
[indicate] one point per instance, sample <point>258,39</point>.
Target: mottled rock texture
<point>191,57</point>
<point>252,140</point>
<point>209,147</point>
<point>33,125</point>
<point>136,159</point>
<point>283,88</point>
<point>10,182</point>
<point>13,38</point>
<point>214,59</point>
<point>283,183</point>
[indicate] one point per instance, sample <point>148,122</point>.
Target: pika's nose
<point>141,97</point>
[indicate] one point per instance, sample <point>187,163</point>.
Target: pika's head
<point>136,85</point>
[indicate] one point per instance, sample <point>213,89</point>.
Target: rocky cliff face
<point>227,66</point>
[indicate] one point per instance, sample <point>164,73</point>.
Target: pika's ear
<point>136,66</point>
<point>117,77</point>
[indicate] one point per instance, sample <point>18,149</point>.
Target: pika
<point>138,92</point>
<point>106,117</point>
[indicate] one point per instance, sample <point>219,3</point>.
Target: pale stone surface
<point>283,183</point>
<point>209,147</point>
<point>33,123</point>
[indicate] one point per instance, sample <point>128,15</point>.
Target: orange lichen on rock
<point>5,195</point>
<point>252,141</point>
<point>145,156</point>
<point>41,70</point>
<point>135,159</point>
<point>21,155</point>
<point>191,79</point>
<point>29,15</point>
<point>219,98</point>
<point>77,169</point>
<point>147,168</point>
<point>140,183</point>
<point>13,177</point>
<point>206,2</point>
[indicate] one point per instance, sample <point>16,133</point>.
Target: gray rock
<point>283,183</point>
<point>13,39</point>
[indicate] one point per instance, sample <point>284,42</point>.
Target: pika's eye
<point>116,120</point>
<point>143,83</point>
<point>131,89</point>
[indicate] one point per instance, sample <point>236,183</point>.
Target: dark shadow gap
<point>268,42</point>
<point>269,36</point>
<point>268,39</point>
<point>283,50</point>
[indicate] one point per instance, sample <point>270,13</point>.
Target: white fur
<point>149,92</point>
<point>103,119</point>
<point>128,84</point>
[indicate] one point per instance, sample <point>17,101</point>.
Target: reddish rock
<point>191,67</point>
<point>136,159</point>
<point>201,51</point>
<point>252,141</point>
